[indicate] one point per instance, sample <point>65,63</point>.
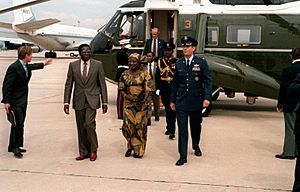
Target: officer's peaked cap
<point>188,41</point>
<point>168,45</point>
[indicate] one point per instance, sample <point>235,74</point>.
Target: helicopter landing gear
<point>50,54</point>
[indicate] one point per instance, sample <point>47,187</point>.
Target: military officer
<point>164,77</point>
<point>191,91</point>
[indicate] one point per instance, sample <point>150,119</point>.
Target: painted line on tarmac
<point>142,180</point>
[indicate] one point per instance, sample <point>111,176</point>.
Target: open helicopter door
<point>167,23</point>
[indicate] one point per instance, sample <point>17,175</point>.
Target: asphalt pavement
<point>238,141</point>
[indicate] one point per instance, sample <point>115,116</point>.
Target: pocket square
<point>11,118</point>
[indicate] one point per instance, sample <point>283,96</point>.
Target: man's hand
<point>206,103</point>
<point>67,109</point>
<point>172,105</point>
<point>157,92</point>
<point>104,108</point>
<point>48,61</point>
<point>6,107</point>
<point>278,109</point>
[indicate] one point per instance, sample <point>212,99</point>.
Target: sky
<point>84,13</point>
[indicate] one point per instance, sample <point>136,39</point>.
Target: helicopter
<point>245,42</point>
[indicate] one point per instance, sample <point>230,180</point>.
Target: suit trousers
<point>170,114</point>
<point>195,126</point>
<point>16,138</point>
<point>296,186</point>
<point>86,128</point>
<point>156,105</point>
<point>289,146</point>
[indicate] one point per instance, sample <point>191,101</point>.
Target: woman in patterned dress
<point>135,84</point>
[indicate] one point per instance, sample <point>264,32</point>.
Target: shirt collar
<point>190,59</point>
<point>297,60</point>
<point>22,62</point>
<point>87,62</point>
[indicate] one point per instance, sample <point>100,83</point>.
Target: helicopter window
<point>212,36</point>
<point>112,26</point>
<point>241,34</point>
<point>132,26</point>
<point>127,25</point>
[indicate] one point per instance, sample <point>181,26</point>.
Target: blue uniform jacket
<point>191,85</point>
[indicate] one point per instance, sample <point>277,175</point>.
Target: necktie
<point>154,47</point>
<point>150,71</point>
<point>187,64</point>
<point>84,72</point>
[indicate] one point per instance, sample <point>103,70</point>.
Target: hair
<point>151,53</point>
<point>83,45</point>
<point>295,54</point>
<point>23,51</point>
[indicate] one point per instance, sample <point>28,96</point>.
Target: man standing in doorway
<point>15,95</point>
<point>154,44</point>
<point>191,91</point>
<point>88,76</point>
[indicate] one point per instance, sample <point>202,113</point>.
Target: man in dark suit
<point>293,91</point>
<point>88,77</point>
<point>122,60</point>
<point>191,91</point>
<point>287,105</point>
<point>15,95</point>
<point>154,44</point>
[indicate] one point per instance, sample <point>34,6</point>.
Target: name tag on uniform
<point>196,68</point>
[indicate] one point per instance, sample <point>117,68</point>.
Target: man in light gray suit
<point>88,77</point>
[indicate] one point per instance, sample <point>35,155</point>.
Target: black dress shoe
<point>128,153</point>
<point>198,152</point>
<point>280,156</point>
<point>17,153</point>
<point>156,118</point>
<point>171,136</point>
<point>149,122</point>
<point>167,133</point>
<point>181,161</point>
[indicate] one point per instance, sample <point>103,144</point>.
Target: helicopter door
<point>166,21</point>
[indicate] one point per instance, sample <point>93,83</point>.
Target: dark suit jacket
<point>91,89</point>
<point>160,51</point>
<point>287,76</point>
<point>15,84</point>
<point>191,85</point>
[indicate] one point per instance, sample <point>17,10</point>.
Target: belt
<point>166,79</point>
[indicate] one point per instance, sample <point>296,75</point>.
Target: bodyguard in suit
<point>164,79</point>
<point>87,76</point>
<point>191,91</point>
<point>15,95</point>
<point>154,44</point>
<point>287,106</point>
<point>152,68</point>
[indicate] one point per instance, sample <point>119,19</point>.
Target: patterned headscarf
<point>136,56</point>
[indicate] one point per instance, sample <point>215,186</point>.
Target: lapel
<point>78,70</point>
<point>22,71</point>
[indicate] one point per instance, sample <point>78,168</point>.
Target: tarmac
<point>238,141</point>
